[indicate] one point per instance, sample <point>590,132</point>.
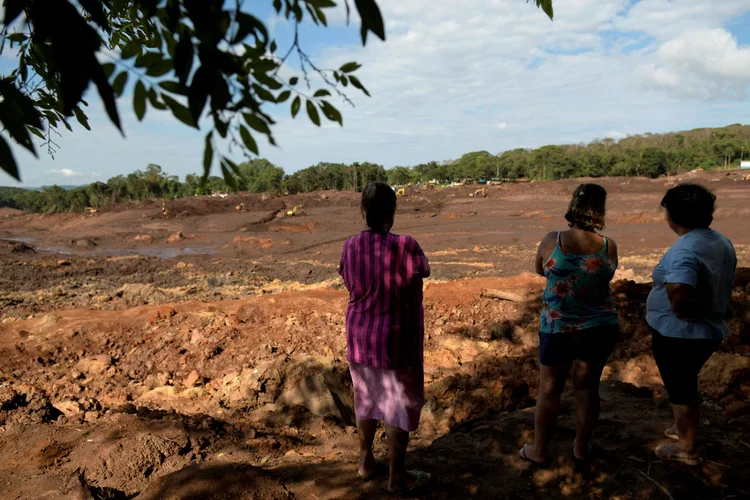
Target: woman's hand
<point>683,304</point>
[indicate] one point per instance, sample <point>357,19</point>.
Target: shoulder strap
<point>559,240</point>
<point>606,244</point>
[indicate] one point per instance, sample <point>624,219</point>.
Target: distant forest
<point>650,155</point>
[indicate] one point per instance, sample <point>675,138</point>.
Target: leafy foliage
<point>648,155</point>
<point>206,61</point>
<point>211,63</point>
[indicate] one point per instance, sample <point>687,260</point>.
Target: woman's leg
<point>551,385</point>
<point>400,479</point>
<point>366,430</point>
<point>586,381</point>
<point>679,362</point>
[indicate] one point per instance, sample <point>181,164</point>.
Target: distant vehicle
<point>482,180</point>
<point>745,164</point>
<point>401,192</point>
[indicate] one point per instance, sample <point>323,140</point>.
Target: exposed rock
<point>94,365</point>
<point>176,237</point>
<point>722,372</point>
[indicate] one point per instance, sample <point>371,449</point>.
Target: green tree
<point>653,163</point>
<point>181,55</point>
<point>399,176</point>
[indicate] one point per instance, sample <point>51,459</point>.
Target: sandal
<point>423,478</point>
<point>523,455</point>
<point>380,466</point>
<point>665,452</point>
<point>588,452</point>
<point>671,433</point>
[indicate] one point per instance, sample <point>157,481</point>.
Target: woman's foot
<point>675,452</point>
<point>412,481</point>
<point>671,433</point>
<point>366,465</point>
<point>528,452</point>
<point>581,453</point>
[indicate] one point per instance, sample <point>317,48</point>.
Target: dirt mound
<point>83,243</point>
<point>307,227</point>
<point>217,481</point>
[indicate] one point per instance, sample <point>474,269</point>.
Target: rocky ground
<point>129,372</point>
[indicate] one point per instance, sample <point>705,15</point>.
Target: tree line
<point>650,155</point>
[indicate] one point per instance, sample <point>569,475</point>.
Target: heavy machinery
<point>401,192</point>
<point>164,210</point>
<point>240,207</point>
<point>91,211</point>
<point>479,193</point>
<point>294,210</point>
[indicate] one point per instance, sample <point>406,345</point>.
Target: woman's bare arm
<point>546,247</point>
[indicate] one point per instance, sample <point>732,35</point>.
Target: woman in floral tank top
<point>578,326</point>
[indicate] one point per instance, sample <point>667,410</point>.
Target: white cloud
<point>65,172</point>
<point>502,125</point>
<point>702,64</point>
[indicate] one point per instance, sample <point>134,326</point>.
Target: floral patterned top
<point>577,295</point>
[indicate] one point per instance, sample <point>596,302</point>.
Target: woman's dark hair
<point>587,208</point>
<point>378,206</point>
<point>690,206</point>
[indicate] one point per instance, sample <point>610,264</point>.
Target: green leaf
<point>183,58</point>
<point>256,123</point>
<point>546,6</point>
<point>321,93</point>
<point>312,112</point>
<point>153,98</point>
<point>198,93</point>
<point>295,106</point>
<point>350,67</point>
<point>283,97</point>
<point>131,50</point>
<point>173,87</point>
<point>82,118</point>
<point>247,138</point>
<point>139,100</point>
<point>37,132</point>
<point>161,68</point>
<point>332,113</point>
<point>7,162</point>
<point>277,5</point>
<point>228,176</point>
<point>293,81</point>
<point>179,111</point>
<point>273,47</point>
<point>208,154</point>
<point>263,93</point>
<point>372,20</point>
<point>119,84</point>
<point>17,37</point>
<point>147,59</point>
<point>13,9</point>
<point>357,84</point>
<point>108,69</point>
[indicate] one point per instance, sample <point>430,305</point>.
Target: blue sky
<point>455,77</point>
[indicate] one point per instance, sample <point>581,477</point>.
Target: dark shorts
<point>593,346</point>
<point>679,361</point>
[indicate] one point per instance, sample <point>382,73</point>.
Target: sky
<point>460,76</point>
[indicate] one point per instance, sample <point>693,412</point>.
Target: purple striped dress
<point>385,326</point>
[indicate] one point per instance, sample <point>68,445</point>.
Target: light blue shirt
<point>704,259</point>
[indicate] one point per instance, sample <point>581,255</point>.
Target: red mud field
<point>213,365</point>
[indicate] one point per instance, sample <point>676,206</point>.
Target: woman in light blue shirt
<point>692,285</point>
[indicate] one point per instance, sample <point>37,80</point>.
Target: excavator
<point>401,192</point>
<point>240,207</point>
<point>91,211</point>
<point>294,210</point>
<point>479,193</point>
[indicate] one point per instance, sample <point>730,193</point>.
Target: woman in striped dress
<point>383,272</point>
